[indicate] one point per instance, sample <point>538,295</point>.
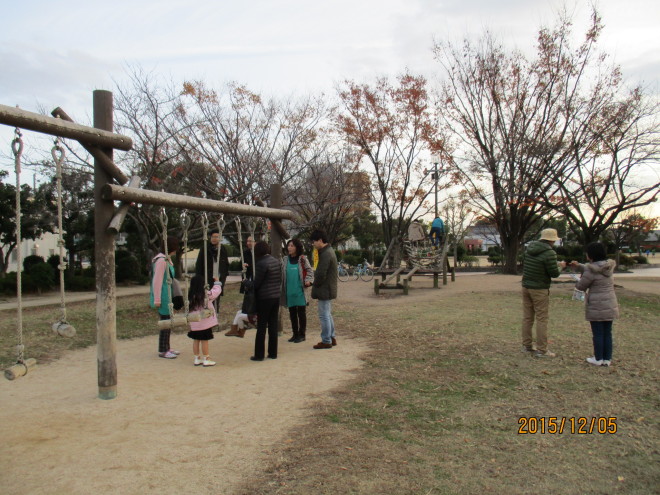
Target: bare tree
<point>392,127</point>
<point>332,193</point>
<point>249,143</point>
<point>614,167</point>
<point>511,118</point>
<point>147,109</point>
<point>458,215</point>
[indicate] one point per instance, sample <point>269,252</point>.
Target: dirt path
<point>175,428</point>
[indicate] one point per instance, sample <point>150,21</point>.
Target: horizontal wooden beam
<point>169,200</point>
<point>103,159</point>
<point>17,117</point>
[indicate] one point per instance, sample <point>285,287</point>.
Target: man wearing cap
<point>539,267</point>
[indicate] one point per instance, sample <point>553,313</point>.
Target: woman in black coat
<point>267,288</point>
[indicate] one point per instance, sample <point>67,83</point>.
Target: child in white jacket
<point>202,331</point>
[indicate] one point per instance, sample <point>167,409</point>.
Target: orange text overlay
<point>554,425</point>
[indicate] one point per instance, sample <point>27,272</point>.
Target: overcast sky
<point>55,53</point>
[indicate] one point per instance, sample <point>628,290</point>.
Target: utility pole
<point>435,177</point>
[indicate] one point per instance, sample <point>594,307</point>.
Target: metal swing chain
<point>17,149</point>
<point>58,156</point>
<point>168,275</point>
<point>185,222</point>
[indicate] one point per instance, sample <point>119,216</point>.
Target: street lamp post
<point>434,176</point>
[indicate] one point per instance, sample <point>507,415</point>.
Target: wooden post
<point>276,239</point>
<point>104,250</point>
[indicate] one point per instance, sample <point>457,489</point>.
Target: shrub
<point>81,283</point>
<point>54,261</point>
<point>127,267</point>
<point>495,259</point>
<point>624,259</point>
<point>31,260</point>
<point>469,260</point>
<point>8,283</point>
<point>235,266</point>
<point>40,276</point>
<point>351,259</point>
<point>641,260</point>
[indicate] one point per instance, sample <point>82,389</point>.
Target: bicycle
<point>342,272</point>
<point>364,272</point>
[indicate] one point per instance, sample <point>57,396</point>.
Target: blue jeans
<point>327,323</point>
<point>602,337</point>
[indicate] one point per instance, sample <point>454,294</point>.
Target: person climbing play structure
<point>414,254</point>
<point>110,185</point>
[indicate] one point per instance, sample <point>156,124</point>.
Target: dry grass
<point>435,409</point>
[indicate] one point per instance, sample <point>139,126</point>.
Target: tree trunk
<point>510,259</point>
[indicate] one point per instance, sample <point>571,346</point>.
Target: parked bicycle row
<point>364,271</point>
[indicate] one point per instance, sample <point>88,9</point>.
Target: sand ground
<point>175,428</point>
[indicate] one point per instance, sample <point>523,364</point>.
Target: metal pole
<point>104,250</point>
<point>17,117</point>
<point>435,165</point>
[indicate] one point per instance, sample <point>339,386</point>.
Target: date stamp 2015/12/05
<point>553,425</point>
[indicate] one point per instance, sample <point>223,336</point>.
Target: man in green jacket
<point>539,267</point>
<point>324,288</point>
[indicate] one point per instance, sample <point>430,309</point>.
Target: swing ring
<point>163,217</point>
<point>17,146</point>
<point>58,153</point>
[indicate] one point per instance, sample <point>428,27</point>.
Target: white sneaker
<point>167,355</point>
<point>174,352</point>
<point>606,362</point>
<point>198,360</point>
<point>594,361</point>
<point>207,362</point>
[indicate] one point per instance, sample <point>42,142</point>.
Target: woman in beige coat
<point>601,304</point>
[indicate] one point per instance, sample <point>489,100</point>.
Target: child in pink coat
<point>202,331</point>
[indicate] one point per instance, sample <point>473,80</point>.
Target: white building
<point>45,247</point>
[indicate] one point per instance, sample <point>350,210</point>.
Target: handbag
<point>177,295</point>
<point>249,306</point>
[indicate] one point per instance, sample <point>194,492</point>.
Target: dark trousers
<point>164,337</point>
<point>602,337</point>
<point>298,316</point>
<point>267,318</point>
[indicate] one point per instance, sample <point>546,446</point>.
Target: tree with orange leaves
<point>394,129</point>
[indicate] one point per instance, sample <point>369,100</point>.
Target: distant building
<point>45,246</point>
<point>481,237</point>
<point>651,242</point>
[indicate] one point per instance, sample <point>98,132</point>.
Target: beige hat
<point>549,235</point>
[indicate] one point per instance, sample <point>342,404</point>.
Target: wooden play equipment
<point>411,256</point>
<point>111,184</point>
